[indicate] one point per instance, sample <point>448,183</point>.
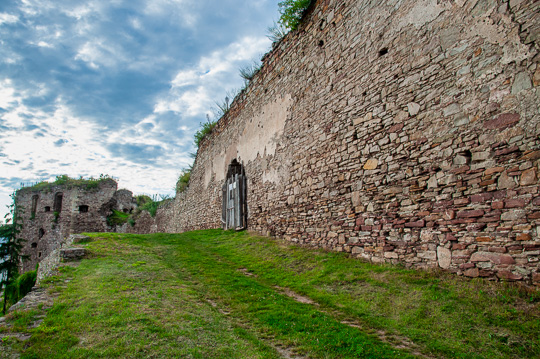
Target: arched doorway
<point>234,204</point>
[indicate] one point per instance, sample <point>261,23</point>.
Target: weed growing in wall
<point>183,180</point>
<point>206,128</point>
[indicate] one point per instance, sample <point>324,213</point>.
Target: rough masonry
<point>51,214</point>
<point>402,131</point>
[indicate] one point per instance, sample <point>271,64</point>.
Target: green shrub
<point>25,282</point>
<point>292,11</point>
<point>152,206</point>
<point>117,218</point>
<point>142,200</point>
<point>183,180</point>
<point>206,128</point>
<point>19,287</point>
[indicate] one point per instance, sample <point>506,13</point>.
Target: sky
<point>117,87</point>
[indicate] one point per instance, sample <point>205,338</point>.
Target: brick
<point>461,201</point>
<point>493,170</point>
<point>471,213</point>
<point>534,215</point>
<point>472,272</point>
<point>523,237</point>
<point>528,177</point>
<point>515,203</point>
<point>416,224</point>
<point>492,257</point>
<point>502,121</point>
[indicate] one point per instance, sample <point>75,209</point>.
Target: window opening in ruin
<point>47,209</point>
<point>34,205</point>
<point>383,51</point>
<point>83,208</point>
<point>34,245</point>
<point>234,193</point>
<point>58,202</point>
<point>39,255</point>
<point>41,232</point>
<point>321,43</point>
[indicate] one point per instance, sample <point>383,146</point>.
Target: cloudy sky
<point>117,87</point>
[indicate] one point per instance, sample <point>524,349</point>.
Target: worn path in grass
<point>215,294</point>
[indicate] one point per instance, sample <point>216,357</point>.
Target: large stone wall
<point>83,209</point>
<point>398,131</point>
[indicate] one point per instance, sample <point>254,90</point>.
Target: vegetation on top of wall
<point>248,72</point>
<point>276,32</point>
<point>292,11</point>
<point>65,180</point>
<point>206,128</point>
<point>183,181</point>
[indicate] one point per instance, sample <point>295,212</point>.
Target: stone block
<point>78,238</point>
<point>528,177</point>
<point>507,275</point>
<point>72,254</point>
<point>472,272</point>
<point>444,256</point>
<point>430,255</point>
<point>522,81</point>
<point>502,121</point>
<point>413,108</point>
<point>492,257</point>
<point>513,215</point>
<point>470,213</point>
<point>505,181</point>
<point>371,164</point>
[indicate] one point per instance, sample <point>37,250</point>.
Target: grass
<point>64,180</point>
<point>216,294</point>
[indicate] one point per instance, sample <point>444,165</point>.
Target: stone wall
<point>46,226</point>
<point>398,131</point>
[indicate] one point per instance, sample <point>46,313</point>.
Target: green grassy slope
<point>215,294</point>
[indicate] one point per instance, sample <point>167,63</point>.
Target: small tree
<point>291,12</point>
<point>10,248</point>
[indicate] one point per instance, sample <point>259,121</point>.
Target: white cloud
<point>8,18</point>
<point>98,53</point>
<point>7,94</point>
<point>210,77</point>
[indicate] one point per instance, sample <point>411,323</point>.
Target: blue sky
<point>117,87</point>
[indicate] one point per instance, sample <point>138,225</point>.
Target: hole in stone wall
<point>34,204</point>
<point>41,232</point>
<point>364,93</point>
<point>47,209</point>
<point>383,51</point>
<point>260,209</point>
<point>321,43</point>
<point>125,210</point>
<point>83,208</point>
<point>58,202</point>
<point>39,255</point>
<point>467,154</point>
<point>34,245</point>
